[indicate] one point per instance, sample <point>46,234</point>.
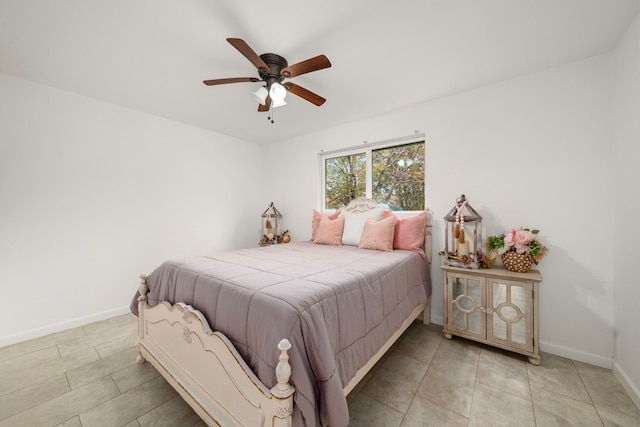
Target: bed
<point>279,335</point>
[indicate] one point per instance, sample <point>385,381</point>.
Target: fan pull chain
<point>270,117</point>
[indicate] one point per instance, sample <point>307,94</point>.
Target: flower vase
<point>520,263</point>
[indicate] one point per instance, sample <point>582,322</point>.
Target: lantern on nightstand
<point>463,235</point>
<point>271,220</point>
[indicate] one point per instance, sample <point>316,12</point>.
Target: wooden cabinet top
<point>497,272</point>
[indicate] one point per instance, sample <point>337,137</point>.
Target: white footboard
<point>207,371</point>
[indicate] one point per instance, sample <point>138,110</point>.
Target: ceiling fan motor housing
<point>276,63</point>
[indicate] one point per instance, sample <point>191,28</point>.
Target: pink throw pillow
<point>409,232</point>
<point>317,216</point>
<point>330,232</point>
<point>378,235</point>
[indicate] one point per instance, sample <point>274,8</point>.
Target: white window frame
<point>367,148</point>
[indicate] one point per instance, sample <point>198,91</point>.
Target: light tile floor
<point>89,377</point>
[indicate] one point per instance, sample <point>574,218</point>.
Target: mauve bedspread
<point>336,305</point>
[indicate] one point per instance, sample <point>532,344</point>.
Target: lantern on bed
<point>271,223</point>
<point>463,235</point>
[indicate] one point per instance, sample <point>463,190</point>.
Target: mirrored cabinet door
<point>510,317</point>
<point>467,301</point>
<point>493,306</point>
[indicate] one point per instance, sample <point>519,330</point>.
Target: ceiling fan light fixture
<point>261,94</point>
<point>277,92</point>
<point>276,104</point>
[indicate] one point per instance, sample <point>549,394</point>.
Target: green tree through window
<point>392,174</point>
<point>398,176</point>
<point>345,179</point>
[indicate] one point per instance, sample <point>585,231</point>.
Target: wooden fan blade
<point>231,80</point>
<point>316,63</point>
<point>265,107</point>
<point>249,53</point>
<point>304,93</point>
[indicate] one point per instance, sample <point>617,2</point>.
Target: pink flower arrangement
<point>522,241</point>
<point>518,240</point>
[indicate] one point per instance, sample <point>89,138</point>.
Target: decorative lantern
<point>463,235</point>
<point>271,223</point>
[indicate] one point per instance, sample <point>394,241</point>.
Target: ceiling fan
<point>273,70</point>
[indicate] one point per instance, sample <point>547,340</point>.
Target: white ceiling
<point>152,55</point>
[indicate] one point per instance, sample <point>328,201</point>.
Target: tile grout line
<point>475,384</point>
<point>588,393</point>
<point>533,404</point>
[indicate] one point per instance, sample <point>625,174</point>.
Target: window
<point>345,179</point>
<point>391,173</point>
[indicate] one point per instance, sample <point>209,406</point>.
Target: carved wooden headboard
<point>362,204</point>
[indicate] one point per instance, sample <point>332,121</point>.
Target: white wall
<point>533,151</point>
<point>92,195</point>
<point>627,204</point>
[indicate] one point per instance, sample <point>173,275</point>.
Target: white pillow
<point>354,224</point>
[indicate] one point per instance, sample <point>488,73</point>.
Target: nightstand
<point>493,306</point>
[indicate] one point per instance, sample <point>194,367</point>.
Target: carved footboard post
<point>142,303</point>
<point>283,391</point>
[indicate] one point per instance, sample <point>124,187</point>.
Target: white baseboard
<point>57,327</point>
<point>438,320</point>
<point>573,354</point>
<point>626,382</point>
